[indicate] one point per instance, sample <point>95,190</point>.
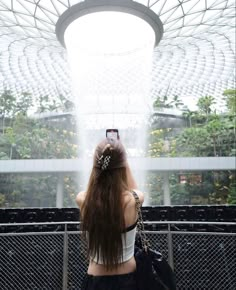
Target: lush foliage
<point>25,135</point>
<point>200,133</point>
<point>29,131</point>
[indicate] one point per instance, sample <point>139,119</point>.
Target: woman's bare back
<point>130,216</point>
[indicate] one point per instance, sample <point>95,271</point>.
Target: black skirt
<point>113,282</point>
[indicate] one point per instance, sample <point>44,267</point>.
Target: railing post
<point>65,260</point>
<point>170,248</point>
<point>60,189</point>
<point>166,188</point>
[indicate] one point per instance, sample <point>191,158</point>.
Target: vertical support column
<point>65,260</point>
<point>170,248</point>
<point>60,190</point>
<point>166,188</point>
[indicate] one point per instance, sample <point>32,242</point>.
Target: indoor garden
<point>48,131</point>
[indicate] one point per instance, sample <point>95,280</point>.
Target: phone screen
<point>112,134</point>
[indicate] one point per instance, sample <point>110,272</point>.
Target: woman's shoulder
<point>140,195</point>
<point>80,198</point>
<point>129,197</point>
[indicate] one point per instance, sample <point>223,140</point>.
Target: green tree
<point>161,143</point>
<point>48,104</point>
<point>7,107</point>
<point>193,142</point>
<point>189,115</point>
<point>232,194</point>
<point>209,134</point>
<point>25,137</point>
<point>205,105</point>
<point>230,97</point>
<point>7,103</point>
<point>23,103</point>
<point>166,102</point>
<point>232,189</point>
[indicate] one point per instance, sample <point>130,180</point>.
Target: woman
<point>109,218</point>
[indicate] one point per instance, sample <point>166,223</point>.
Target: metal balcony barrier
<point>203,213</point>
<point>52,256</point>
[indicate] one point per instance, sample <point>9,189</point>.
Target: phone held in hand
<point>112,134</point>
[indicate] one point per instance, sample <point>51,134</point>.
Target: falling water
<point>111,87</point>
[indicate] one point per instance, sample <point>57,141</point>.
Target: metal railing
<point>52,256</point>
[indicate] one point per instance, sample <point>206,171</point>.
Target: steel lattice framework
<point>195,57</point>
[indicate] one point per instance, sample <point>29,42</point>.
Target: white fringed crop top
<point>128,240</point>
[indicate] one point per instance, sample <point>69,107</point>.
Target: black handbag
<point>153,271</point>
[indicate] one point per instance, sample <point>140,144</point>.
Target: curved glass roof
<point>196,56</point>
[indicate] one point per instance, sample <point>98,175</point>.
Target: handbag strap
<point>140,225</point>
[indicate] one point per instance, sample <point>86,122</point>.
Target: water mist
<point>110,56</point>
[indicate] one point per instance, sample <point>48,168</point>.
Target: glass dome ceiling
<point>196,56</point>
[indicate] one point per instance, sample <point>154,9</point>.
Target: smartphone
<point>112,134</point>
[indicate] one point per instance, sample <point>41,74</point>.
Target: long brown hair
<point>102,211</point>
